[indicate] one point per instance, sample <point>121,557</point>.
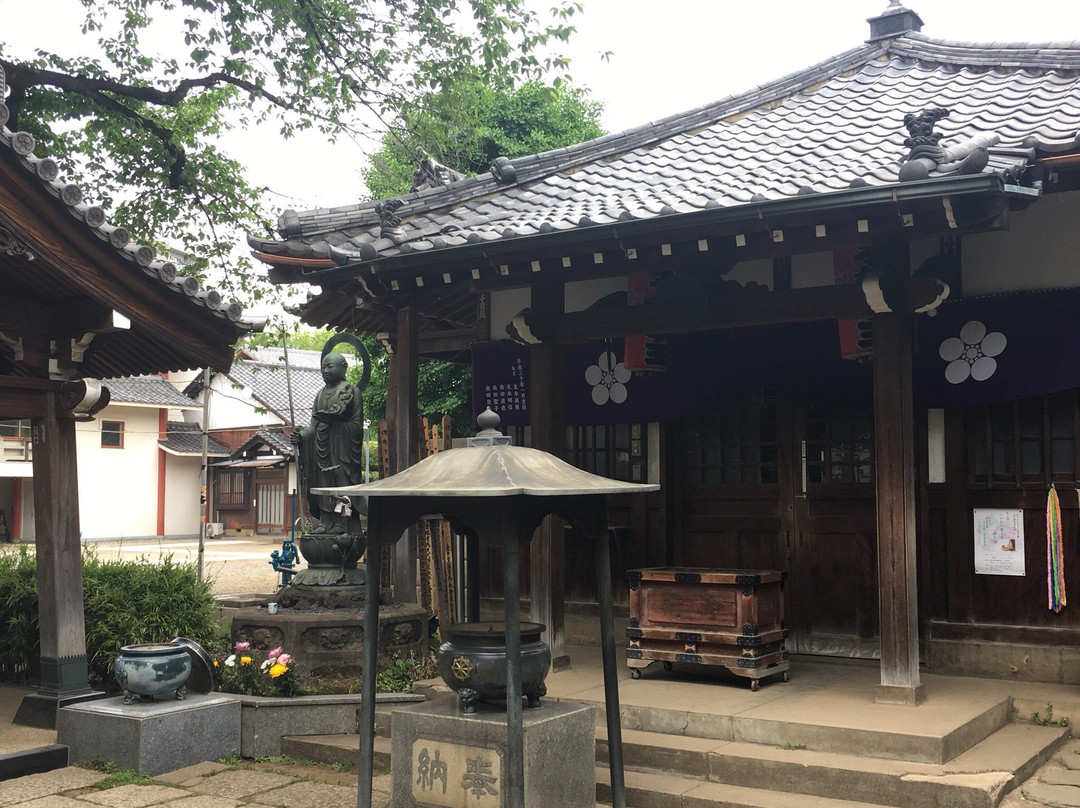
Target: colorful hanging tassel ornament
<point>1055,569</point>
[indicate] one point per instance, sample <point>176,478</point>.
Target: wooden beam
<point>894,436</point>
<point>735,310</point>
<point>59,554</point>
<point>547,559</point>
<point>404,365</point>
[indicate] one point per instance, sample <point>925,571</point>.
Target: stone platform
<point>151,737</point>
<point>331,642</point>
<point>442,757</point>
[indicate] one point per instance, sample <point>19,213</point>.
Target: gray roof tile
<point>146,390</point>
<point>819,128</point>
<point>184,438</point>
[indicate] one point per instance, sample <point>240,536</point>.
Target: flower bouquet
<point>248,672</point>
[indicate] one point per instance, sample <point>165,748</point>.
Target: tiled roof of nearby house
<point>265,377</point>
<point>147,390</point>
<point>187,439</point>
<point>834,126</point>
<point>273,439</point>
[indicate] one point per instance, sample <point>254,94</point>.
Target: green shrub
<point>125,602</point>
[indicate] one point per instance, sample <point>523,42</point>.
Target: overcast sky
<point>667,56</point>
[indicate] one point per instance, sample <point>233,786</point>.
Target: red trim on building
<point>16,511</point>
<point>163,428</point>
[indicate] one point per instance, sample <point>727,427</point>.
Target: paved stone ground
<point>207,785</point>
<point>1056,783</point>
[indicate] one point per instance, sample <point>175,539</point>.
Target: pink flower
<point>284,659</point>
<point>274,653</point>
<point>242,646</point>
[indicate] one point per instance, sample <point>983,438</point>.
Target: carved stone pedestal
<point>443,757</point>
<point>331,642</point>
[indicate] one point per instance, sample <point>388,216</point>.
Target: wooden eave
<point>705,244</point>
<point>75,281</point>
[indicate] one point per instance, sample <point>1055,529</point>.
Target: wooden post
<point>895,472</point>
<point>61,623</point>
<point>404,367</point>
<point>547,557</point>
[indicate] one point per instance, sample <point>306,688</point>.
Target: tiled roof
<point>274,439</point>
<point>265,377</point>
<point>187,439</point>
<point>836,125</point>
<point>143,258</point>
<point>146,390</point>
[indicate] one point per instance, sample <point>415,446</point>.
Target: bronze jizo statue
<point>330,451</point>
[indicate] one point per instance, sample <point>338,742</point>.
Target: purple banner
<point>500,380</point>
<point>972,352</point>
<point>999,348</point>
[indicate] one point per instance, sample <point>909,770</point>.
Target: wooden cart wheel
<point>668,666</point>
<point>755,685</point>
<point>635,673</point>
<point>787,676</point>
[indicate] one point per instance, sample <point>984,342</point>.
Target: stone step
<point>342,750</point>
<point>652,790</point>
<point>976,779</point>
<point>913,742</point>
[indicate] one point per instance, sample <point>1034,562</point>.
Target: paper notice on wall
<point>999,541</point>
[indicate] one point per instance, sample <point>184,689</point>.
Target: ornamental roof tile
<point>835,125</point>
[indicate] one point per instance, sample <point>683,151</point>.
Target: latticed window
<point>232,490</point>
<point>617,451</point>
<point>735,444</point>
<point>1028,441</point>
<point>839,447</point>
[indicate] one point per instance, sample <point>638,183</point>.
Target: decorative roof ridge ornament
<point>431,173</point>
<point>389,221</point>
<point>893,22</point>
<point>926,155</point>
<point>503,171</point>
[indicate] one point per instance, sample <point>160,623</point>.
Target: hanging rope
<point>1055,570</point>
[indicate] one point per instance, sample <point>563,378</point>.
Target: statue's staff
<point>285,561</point>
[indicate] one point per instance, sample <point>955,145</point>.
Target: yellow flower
<point>277,670</point>
<point>215,663</point>
<point>245,660</point>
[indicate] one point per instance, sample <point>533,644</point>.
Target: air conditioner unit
<point>214,530</point>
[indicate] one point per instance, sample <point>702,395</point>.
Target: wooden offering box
<point>733,618</point>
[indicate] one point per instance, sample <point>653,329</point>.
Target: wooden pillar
<point>547,556</point>
<point>895,473</point>
<point>404,415</point>
<point>59,568</point>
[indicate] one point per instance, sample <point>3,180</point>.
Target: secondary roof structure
<point>884,131</point>
<point>80,297</point>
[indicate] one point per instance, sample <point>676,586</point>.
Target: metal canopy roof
<point>490,471</point>
<point>499,470</point>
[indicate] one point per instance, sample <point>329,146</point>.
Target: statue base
<point>329,642</point>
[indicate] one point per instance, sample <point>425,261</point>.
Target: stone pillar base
<point>152,737</point>
<point>40,710</point>
<point>906,695</point>
<point>442,757</point>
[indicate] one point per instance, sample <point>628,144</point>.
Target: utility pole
<point>204,516</point>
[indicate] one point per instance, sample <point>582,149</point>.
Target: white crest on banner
<point>972,353</point>
<point>608,378</point>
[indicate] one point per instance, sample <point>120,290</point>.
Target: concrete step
<point>914,742</point>
<point>976,779</point>
<point>341,750</point>
<point>650,790</point>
